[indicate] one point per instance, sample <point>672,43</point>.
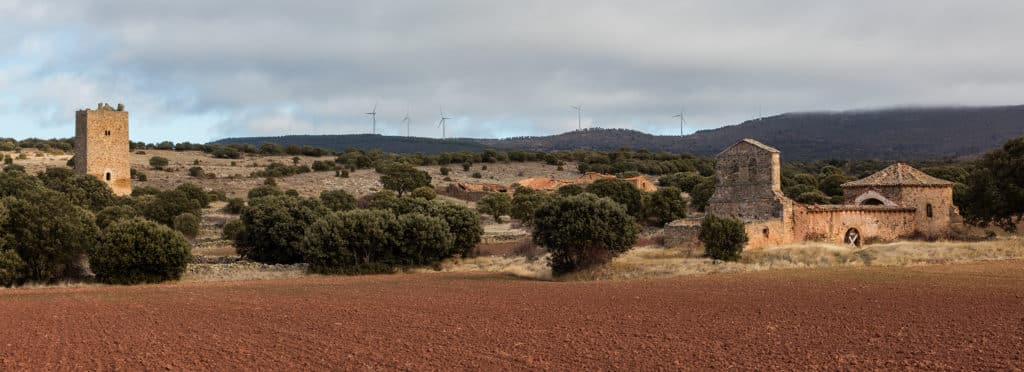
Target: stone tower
<point>749,183</point>
<point>101,146</point>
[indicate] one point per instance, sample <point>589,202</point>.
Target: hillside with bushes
<point>892,134</point>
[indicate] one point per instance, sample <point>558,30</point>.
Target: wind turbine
<point>579,116</point>
<point>682,120</point>
<point>407,120</point>
<point>443,124</point>
<point>373,116</point>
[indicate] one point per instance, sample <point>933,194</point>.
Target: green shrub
<point>196,172</point>
<point>627,174</point>
<point>281,170</point>
<point>158,162</point>
<point>138,251</point>
<point>684,181</point>
<point>166,205</point>
<point>423,240</point>
<point>84,190</point>
<point>187,224</point>
<point>375,241</point>
<point>195,193</point>
<point>275,226</point>
<point>425,192</point>
<point>322,166</point>
<point>583,231</point>
<point>338,200</point>
<point>526,202</point>
<point>232,230</point>
<point>570,190</point>
<point>403,178</point>
<point>621,192</point>
<point>12,268</point>
<point>225,152</point>
<point>8,160</point>
<point>464,224</point>
<point>831,185</point>
<point>141,177</point>
<point>723,237</point>
<point>48,233</point>
<point>466,165</point>
<point>145,190</point>
<point>665,205</point>
<point>445,171</point>
<point>477,175</point>
<point>216,195</point>
<point>115,213</point>
<point>702,193</point>
<point>263,191</point>
<point>994,192</point>
<point>813,197</point>
<point>352,242</point>
<point>234,206</point>
<point>495,204</point>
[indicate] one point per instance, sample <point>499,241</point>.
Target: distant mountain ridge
<point>890,134</point>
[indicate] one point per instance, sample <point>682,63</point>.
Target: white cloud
<point>503,69</point>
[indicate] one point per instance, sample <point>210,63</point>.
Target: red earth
<point>967,316</point>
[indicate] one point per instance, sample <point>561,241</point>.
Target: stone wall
<point>936,199</point>
<point>873,223</point>
<point>684,233</point>
<point>749,184</point>
<point>102,148</point>
<point>761,234</point>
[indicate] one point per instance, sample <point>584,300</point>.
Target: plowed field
<point>968,316</point>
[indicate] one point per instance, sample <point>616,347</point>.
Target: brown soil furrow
<point>968,316</point>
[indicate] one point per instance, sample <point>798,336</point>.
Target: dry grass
<point>519,266</point>
<point>657,262</point>
<point>238,271</point>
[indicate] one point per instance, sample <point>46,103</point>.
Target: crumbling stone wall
<point>102,148</point>
<point>683,233</point>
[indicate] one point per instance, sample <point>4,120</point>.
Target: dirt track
<point>952,316</point>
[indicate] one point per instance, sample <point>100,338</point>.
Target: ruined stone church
<point>896,202</point>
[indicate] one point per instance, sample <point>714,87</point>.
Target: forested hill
<point>894,134</point>
<point>388,144</point>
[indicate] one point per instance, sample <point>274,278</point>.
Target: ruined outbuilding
<point>102,147</point>
<point>894,203</point>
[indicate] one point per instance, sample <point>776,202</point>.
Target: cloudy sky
<point>199,70</point>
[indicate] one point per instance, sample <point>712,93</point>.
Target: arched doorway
<point>852,237</point>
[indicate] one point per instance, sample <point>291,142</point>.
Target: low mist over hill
<point>903,134</point>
